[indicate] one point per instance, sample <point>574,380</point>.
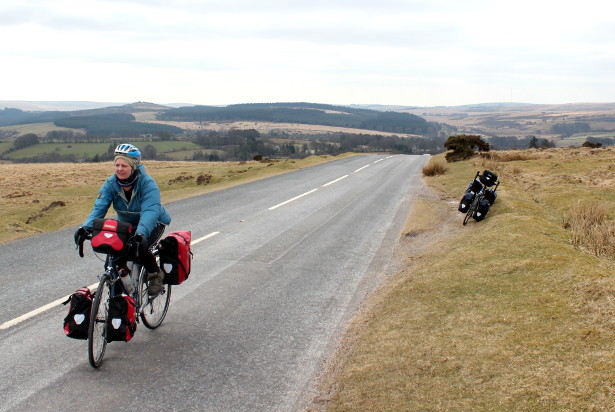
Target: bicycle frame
<point>151,310</point>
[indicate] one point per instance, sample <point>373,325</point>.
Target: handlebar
<point>86,236</point>
<point>131,245</point>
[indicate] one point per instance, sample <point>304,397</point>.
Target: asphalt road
<point>279,267</point>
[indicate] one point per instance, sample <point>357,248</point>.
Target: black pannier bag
<point>488,178</point>
<point>481,210</point>
<point>110,236</point>
<point>122,319</point>
<point>77,322</point>
<point>491,195</point>
<point>465,202</point>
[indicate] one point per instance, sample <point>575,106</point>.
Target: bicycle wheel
<point>152,309</point>
<point>97,332</point>
<point>470,212</point>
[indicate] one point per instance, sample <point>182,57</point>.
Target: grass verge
<point>505,314</point>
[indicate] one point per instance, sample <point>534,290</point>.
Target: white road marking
<point>358,170</point>
<point>212,234</point>
<point>292,200</point>
<point>334,181</point>
<point>35,312</point>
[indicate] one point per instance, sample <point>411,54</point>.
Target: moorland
<point>291,130</point>
<point>511,313</point>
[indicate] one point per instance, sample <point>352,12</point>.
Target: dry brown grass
<point>505,314</point>
<point>434,168</point>
<point>590,229</point>
<point>511,155</point>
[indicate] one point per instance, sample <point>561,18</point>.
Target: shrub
<point>434,169</point>
<point>464,147</point>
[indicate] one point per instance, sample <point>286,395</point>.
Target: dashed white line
<point>361,168</point>
<point>212,234</point>
<point>334,181</point>
<point>292,200</point>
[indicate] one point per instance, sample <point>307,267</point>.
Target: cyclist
<point>136,199</point>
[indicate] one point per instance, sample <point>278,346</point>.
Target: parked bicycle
<point>478,197</point>
<point>151,310</point>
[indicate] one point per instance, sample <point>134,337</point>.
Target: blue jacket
<point>143,211</point>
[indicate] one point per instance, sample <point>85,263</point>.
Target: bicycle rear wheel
<point>153,309</point>
<point>97,332</point>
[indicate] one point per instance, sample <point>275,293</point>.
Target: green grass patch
<point>40,129</point>
<point>83,151</point>
<point>79,150</point>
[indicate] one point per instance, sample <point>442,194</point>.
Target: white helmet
<point>128,150</point>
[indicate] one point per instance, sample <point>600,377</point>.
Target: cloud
<point>436,52</point>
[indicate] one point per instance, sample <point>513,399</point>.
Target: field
<point>83,151</point>
<point>41,197</point>
<point>523,120</point>
<point>276,129</point>
<point>40,129</point>
<point>512,313</point>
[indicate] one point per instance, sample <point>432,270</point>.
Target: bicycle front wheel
<point>152,309</point>
<point>97,331</point>
<point>469,213</point>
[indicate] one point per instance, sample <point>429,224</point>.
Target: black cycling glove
<point>81,234</point>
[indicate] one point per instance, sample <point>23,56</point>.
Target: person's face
<point>122,169</point>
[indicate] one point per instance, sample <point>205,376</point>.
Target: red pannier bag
<point>122,319</point>
<point>175,257</point>
<point>110,236</point>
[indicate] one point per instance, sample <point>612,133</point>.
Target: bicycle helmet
<point>126,149</point>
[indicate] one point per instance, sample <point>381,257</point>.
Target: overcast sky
<point>397,52</point>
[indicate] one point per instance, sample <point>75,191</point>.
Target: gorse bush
<point>464,147</point>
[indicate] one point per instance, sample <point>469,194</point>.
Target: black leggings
<point>146,257</point>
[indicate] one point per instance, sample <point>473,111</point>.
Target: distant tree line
<point>115,124</point>
<point>245,144</point>
<point>306,113</point>
<point>568,129</point>
<point>604,141</point>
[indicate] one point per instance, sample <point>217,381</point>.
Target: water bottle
<point>127,281</point>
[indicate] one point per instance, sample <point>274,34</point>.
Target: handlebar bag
<point>122,319</point>
<point>175,257</point>
<point>110,236</point>
<point>488,178</point>
<point>77,321</point>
